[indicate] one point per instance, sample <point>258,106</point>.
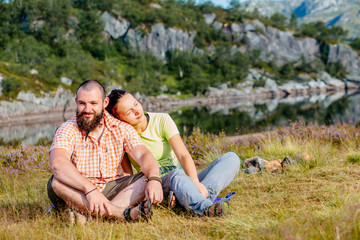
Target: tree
<point>355,44</point>
<point>293,22</point>
<point>278,20</point>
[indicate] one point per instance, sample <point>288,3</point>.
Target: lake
<point>236,118</point>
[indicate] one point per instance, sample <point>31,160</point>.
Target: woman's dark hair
<point>114,97</point>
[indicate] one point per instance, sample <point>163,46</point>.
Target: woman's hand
<point>202,189</point>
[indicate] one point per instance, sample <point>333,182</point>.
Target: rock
<point>137,95</point>
<point>251,170</point>
<point>302,157</point>
<point>287,161</point>
<point>217,25</point>
<point>209,18</point>
<point>36,25</point>
<point>324,76</point>
<point>162,96</point>
<point>347,56</point>
<point>248,27</point>
<point>66,81</point>
<point>274,166</point>
<point>281,46</point>
<point>34,72</point>
<point>115,27</point>
<point>259,25</point>
<point>269,83</point>
<point>223,87</point>
<point>256,162</point>
<point>155,5</point>
<point>237,32</point>
<point>161,40</point>
<point>164,88</point>
<point>304,77</point>
<point>353,78</point>
<point>72,22</point>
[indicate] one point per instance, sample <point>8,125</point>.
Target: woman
<point>161,136</point>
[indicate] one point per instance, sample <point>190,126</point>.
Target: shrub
<point>11,86</point>
<point>355,44</point>
<point>336,69</point>
<point>26,51</point>
<point>353,158</point>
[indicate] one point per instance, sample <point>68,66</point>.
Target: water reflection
<point>239,117</point>
<point>257,117</point>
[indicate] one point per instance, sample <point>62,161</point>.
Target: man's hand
<point>98,203</point>
<point>154,192</point>
<point>202,189</point>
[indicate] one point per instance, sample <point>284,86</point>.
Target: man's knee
<point>53,189</point>
<point>56,185</point>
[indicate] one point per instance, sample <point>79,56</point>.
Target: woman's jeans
<point>215,178</point>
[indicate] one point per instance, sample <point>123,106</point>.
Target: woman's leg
<point>220,173</point>
<point>185,191</point>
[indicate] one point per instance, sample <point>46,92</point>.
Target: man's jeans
<point>215,178</point>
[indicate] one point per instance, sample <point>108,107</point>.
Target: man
<point>86,157</point>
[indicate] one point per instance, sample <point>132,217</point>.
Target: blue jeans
<point>215,178</point>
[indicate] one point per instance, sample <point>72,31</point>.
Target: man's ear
<point>106,102</point>
<point>76,99</point>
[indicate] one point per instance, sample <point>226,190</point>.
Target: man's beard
<point>88,125</point>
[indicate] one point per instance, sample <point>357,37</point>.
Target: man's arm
<point>66,172</point>
<point>150,168</point>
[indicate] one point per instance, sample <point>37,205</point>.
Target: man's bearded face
<point>88,124</point>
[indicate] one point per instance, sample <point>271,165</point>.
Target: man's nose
<point>87,108</point>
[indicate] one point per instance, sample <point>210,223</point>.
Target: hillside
<point>158,47</point>
<point>343,13</point>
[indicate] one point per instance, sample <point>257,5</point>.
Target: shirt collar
<point>109,121</point>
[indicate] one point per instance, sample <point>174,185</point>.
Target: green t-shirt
<point>156,137</point>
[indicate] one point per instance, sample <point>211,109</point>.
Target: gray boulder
<point>259,26</point>
<point>115,27</point>
<point>66,81</point>
<point>161,40</point>
<point>217,25</point>
<point>209,18</point>
<point>345,54</point>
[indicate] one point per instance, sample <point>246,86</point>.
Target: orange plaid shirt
<point>100,161</point>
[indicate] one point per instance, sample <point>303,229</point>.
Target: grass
<point>318,199</point>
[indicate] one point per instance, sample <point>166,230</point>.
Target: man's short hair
<point>90,84</point>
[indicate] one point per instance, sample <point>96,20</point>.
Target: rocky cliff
<point>277,45</point>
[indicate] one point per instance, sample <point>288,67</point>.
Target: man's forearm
<point>149,166</point>
<point>66,173</point>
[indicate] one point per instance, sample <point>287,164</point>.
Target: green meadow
<point>315,199</point>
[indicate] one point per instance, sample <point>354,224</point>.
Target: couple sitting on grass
<point>91,176</point>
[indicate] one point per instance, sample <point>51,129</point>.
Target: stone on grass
<point>66,81</point>
<point>256,162</point>
<point>274,166</point>
<point>287,161</point>
<point>302,157</point>
<point>34,72</point>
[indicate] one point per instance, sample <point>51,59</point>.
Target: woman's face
<point>128,109</point>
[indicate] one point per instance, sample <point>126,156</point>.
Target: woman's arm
<point>187,162</point>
